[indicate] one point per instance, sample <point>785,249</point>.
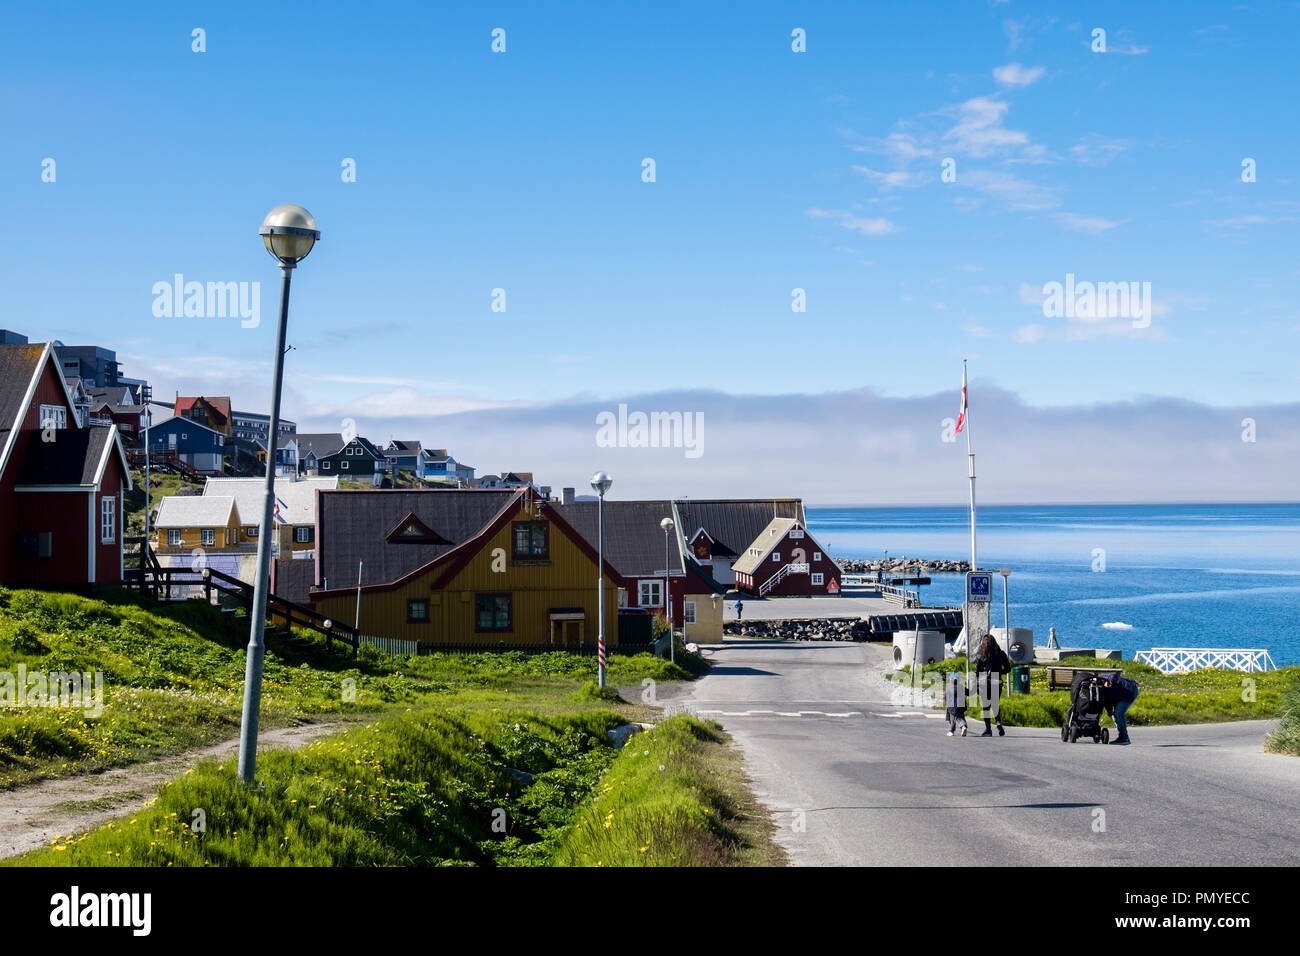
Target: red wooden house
<point>786,560</point>
<point>62,486</point>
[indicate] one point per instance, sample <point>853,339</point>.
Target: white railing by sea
<point>1180,660</point>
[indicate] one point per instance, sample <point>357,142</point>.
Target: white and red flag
<point>961,417</point>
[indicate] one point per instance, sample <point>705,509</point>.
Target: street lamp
<point>289,233</point>
<point>667,525</point>
<point>600,483</point>
<point>1006,622</point>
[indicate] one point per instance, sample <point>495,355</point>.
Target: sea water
<point>1130,577</point>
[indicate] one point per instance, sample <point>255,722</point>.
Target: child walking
<point>955,699</point>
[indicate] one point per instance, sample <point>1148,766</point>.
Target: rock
<point>521,776</point>
<point>621,734</point>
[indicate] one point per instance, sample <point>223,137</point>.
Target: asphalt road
<point>855,779</point>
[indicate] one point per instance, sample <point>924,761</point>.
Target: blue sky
<point>775,170</point>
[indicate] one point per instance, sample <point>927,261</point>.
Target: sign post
<point>979,593</point>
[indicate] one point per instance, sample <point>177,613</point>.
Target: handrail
<point>1180,660</point>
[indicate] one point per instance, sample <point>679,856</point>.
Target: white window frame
<point>107,520</point>
<point>343,465</point>
<point>655,588</point>
<point>818,579</point>
<point>173,538</point>
<point>53,416</point>
<point>817,556</point>
<point>207,537</point>
<point>776,556</point>
<point>688,612</point>
<point>302,535</point>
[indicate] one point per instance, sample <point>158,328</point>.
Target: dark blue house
<point>199,446</point>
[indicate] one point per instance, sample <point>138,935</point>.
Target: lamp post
<point>1006,621</point>
<point>600,483</point>
<point>667,525</point>
<point>144,548</point>
<point>289,233</point>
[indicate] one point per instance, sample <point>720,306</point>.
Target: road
<point>853,779</point>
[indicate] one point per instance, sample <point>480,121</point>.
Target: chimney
<point>567,495</point>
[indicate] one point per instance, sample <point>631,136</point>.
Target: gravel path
<point>34,815</point>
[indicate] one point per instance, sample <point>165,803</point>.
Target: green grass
<point>676,795</point>
<point>1285,738</point>
<point>417,789</point>
<point>1203,696</point>
<point>173,680</point>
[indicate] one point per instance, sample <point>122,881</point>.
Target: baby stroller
<point>1087,703</point>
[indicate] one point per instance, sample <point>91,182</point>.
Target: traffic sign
<point>979,587</point>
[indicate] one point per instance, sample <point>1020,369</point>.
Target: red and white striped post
<point>600,482</point>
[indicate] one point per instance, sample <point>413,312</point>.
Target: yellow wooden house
<point>523,576</point>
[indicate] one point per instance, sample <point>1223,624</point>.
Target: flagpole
<point>970,472</point>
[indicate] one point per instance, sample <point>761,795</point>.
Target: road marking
<point>909,713</point>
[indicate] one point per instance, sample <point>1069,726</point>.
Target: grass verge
<point>1285,738</point>
<point>677,795</point>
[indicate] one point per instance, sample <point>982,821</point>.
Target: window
<point>324,465</point>
<point>650,593</point>
<point>417,611</point>
<point>209,537</point>
<point>174,538</point>
<point>530,539</point>
<point>776,556</point>
<point>304,535</point>
<point>232,535</point>
<point>343,465</point>
<point>54,416</point>
<point>688,616</point>
<point>818,578</point>
<point>107,520</point>
<point>492,612</point>
<point>251,531</point>
<point>817,556</point>
<point>185,435</point>
<point>796,534</point>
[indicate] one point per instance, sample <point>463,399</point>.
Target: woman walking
<point>991,662</point>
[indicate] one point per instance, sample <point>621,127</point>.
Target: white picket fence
<point>1180,660</point>
<point>392,646</point>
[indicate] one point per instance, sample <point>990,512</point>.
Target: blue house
<point>442,466</point>
<point>200,447</point>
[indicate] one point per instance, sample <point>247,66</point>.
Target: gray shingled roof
<point>634,542</point>
<point>196,511</point>
<point>762,543</point>
<point>317,443</point>
<point>17,364</point>
<point>735,523</point>
<point>352,525</point>
<point>71,459</point>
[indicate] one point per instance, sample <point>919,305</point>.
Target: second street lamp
<point>667,525</point>
<point>289,233</point>
<point>600,482</point>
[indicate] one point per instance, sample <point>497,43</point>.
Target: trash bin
<point>1020,680</point>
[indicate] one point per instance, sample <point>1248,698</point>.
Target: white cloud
<point>1030,333</point>
<point>979,331</point>
<point>1093,225</point>
<point>1240,222</point>
<point>1097,152</point>
<point>894,180</point>
<point>1031,295</point>
<point>979,131</point>
<point>865,227</point>
<point>1013,191</point>
<point>1016,74</point>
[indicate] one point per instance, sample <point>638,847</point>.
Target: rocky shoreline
<point>818,629</point>
<point>901,565</point>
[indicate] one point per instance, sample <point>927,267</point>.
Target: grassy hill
<point>173,680</point>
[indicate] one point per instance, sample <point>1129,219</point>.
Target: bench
<point>1063,677</point>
